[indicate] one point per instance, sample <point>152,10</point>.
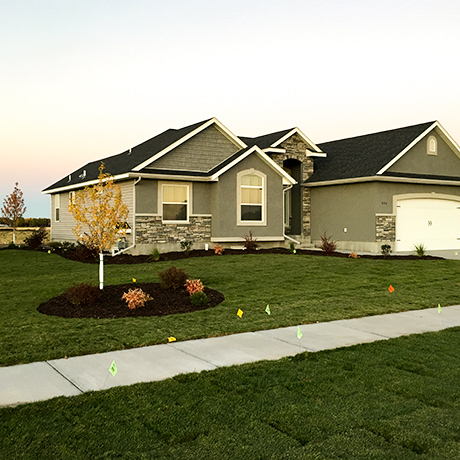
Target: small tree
<point>13,209</point>
<point>99,213</point>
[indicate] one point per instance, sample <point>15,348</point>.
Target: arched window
<point>251,197</point>
<point>432,146</point>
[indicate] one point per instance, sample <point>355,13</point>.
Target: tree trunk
<point>14,235</point>
<point>101,270</point>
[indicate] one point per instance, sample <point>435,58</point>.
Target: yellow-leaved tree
<point>99,213</point>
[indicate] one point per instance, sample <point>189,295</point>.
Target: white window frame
<point>161,203</point>
<point>57,207</point>
<point>251,223</point>
<point>72,197</point>
<point>432,141</point>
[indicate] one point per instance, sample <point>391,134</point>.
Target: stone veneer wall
<point>153,230</point>
<point>385,228</point>
<point>296,150</point>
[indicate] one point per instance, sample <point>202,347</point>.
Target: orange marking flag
<point>391,288</point>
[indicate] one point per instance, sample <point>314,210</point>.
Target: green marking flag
<point>267,310</point>
<point>294,251</point>
<point>113,368</point>
<point>439,308</point>
<point>299,333</point>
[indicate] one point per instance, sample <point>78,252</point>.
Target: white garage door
<point>433,222</point>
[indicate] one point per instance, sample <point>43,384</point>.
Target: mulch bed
<point>110,305</point>
<point>127,259</point>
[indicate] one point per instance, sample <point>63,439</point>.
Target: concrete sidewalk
<point>68,377</point>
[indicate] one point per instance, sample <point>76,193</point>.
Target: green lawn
<point>395,399</point>
<point>299,289</point>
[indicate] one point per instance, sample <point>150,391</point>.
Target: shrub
<point>83,252</point>
<point>250,243</point>
<point>327,244</point>
<point>12,246</point>
<point>199,299</point>
<point>83,294</point>
<point>172,278</point>
<point>154,255</point>
<point>218,249</point>
<point>186,246</point>
<point>420,249</point>
<point>353,255</point>
<point>194,286</point>
<point>67,246</point>
<point>385,250</point>
<point>136,298</point>
<point>36,239</point>
<point>55,245</point>
<point>292,247</point>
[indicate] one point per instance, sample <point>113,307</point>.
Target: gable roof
<point>140,160</point>
<point>367,155</point>
<point>274,140</point>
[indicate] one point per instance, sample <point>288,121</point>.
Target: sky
<point>83,80</point>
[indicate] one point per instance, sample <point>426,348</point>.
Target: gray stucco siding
<point>200,153</point>
<point>417,161</point>
<point>201,198</point>
<point>147,197</point>
<point>224,203</point>
<point>355,206</point>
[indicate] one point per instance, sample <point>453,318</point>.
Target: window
<point>71,197</point>
<point>57,206</point>
<point>251,198</point>
<point>175,202</point>
<point>432,146</point>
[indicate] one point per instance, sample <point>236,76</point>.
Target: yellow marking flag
<point>239,312</point>
<point>171,339</point>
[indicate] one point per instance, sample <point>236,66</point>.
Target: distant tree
<point>13,209</point>
<point>99,213</point>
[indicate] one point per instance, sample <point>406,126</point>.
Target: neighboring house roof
<point>368,155</point>
<point>141,159</point>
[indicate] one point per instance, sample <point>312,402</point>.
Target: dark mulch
<point>110,305</point>
<point>126,259</point>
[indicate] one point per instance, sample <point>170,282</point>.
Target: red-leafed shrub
<point>83,294</point>
<point>218,250</point>
<point>250,243</point>
<point>172,278</point>
<point>194,286</point>
<point>327,244</point>
<point>136,298</point>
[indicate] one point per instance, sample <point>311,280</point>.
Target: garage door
<point>433,222</point>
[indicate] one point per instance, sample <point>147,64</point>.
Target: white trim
<point>287,179</point>
<point>188,185</point>
<point>356,180</point>
<point>200,215</point>
<point>213,121</point>
<point>428,142</point>
<point>301,134</point>
<point>147,214</point>
<point>443,133</point>
<point>309,153</point>
<point>85,184</point>
<point>251,223</point>
<point>274,150</point>
<point>238,239</point>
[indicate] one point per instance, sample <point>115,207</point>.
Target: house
<point>201,183</point>
<point>399,187</point>
<point>205,184</point>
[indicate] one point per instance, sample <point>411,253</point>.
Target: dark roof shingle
<point>365,155</point>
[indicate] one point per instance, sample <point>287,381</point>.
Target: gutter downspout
<point>134,222</point>
<point>284,213</point>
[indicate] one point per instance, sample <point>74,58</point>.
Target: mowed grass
<point>395,399</point>
<point>299,289</point>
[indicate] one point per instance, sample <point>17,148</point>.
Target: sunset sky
<point>81,80</point>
